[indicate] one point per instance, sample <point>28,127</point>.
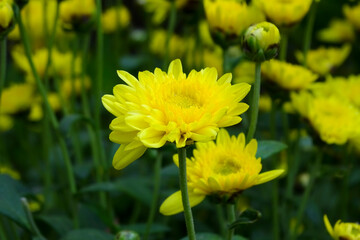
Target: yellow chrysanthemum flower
<point>160,8</point>
<point>339,31</point>
<point>16,98</point>
<point>323,60</point>
<point>353,15</point>
<point>177,45</point>
<point>285,12</point>
<point>224,169</point>
<point>76,13</point>
<point>334,119</point>
<point>231,17</point>
<point>287,75</point>
<point>6,14</point>
<point>342,230</point>
<point>115,18</point>
<point>171,107</point>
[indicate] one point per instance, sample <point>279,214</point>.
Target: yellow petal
<point>223,137</point>
<point>268,176</point>
<point>152,138</point>
<point>123,158</point>
<point>136,121</point>
<point>122,137</point>
<point>109,103</point>
<point>175,68</point>
<point>173,204</point>
<point>328,225</point>
<point>128,78</point>
<point>251,147</point>
<point>226,78</point>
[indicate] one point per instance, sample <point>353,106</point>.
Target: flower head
<point>165,107</point>
<point>6,15</point>
<point>353,15</point>
<point>339,31</point>
<point>342,230</point>
<point>177,45</point>
<point>261,41</point>
<point>287,75</point>
<point>285,12</point>
<point>324,60</point>
<point>223,169</point>
<point>161,8</point>
<point>77,14</point>
<point>115,18</point>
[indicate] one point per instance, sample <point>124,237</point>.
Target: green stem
<point>43,94</point>
<point>300,213</point>
<point>231,218</point>
<point>185,195</point>
<point>309,30</point>
<point>344,200</point>
<point>283,47</point>
<point>2,65</point>
<point>30,218</point>
<point>157,178</point>
<point>170,31</point>
<point>254,108</point>
<point>221,219</point>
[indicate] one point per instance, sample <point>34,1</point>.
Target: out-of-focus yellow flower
<point>77,14</point>
<point>36,110</point>
<point>6,15</point>
<point>62,64</point>
<point>287,75</point>
<point>6,123</point>
<point>339,31</point>
<point>285,13</point>
<point>265,103</point>
<point>231,17</point>
<point>9,171</point>
<point>16,98</point>
<point>293,224</point>
<point>33,17</point>
<point>67,86</point>
<point>342,230</point>
<point>35,204</point>
<point>165,107</point>
<point>205,35</point>
<point>353,15</point>
<point>344,88</point>
<point>335,119</point>
<point>224,169</point>
<point>115,18</point>
<point>177,45</point>
<point>244,72</point>
<point>323,60</point>
<point>160,8</point>
<point>261,42</point>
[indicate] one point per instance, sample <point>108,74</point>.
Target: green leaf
<point>10,203</point>
<point>205,236</point>
<point>246,217</point>
<point>60,224</point>
<point>87,234</point>
<point>268,148</point>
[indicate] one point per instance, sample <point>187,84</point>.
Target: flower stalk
<point>309,30</point>
<point>185,195</point>
<point>231,218</point>
<point>2,63</point>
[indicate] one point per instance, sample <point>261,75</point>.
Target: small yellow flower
<point>115,18</point>
<point>353,15</point>
<point>231,17</point>
<point>324,60</point>
<point>342,230</point>
<point>62,64</point>
<point>285,12</point>
<point>334,119</point>
<point>288,76</point>
<point>16,98</point>
<point>67,86</point>
<point>224,169</point>
<point>165,107</point>
<point>177,45</point>
<point>261,41</point>
<point>161,8</point>
<point>6,15</point>
<point>339,31</point>
<point>77,14</point>
<point>265,103</point>
<point>36,110</point>
<point>9,171</point>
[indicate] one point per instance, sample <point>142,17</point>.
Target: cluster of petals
<point>343,230</point>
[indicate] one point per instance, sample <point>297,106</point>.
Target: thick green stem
<point>221,220</point>
<point>254,108</point>
<point>283,47</point>
<point>43,94</point>
<point>30,218</point>
<point>154,202</point>
<point>170,31</point>
<point>309,30</point>
<point>313,174</point>
<point>185,195</point>
<point>231,218</point>
<point>2,65</point>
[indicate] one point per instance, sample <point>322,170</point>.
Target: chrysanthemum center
<point>226,166</point>
<point>184,101</point>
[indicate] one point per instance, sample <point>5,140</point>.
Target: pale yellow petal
<point>152,138</point>
<point>173,204</point>
<point>109,103</point>
<point>268,176</point>
<point>328,225</point>
<point>223,137</point>
<point>251,147</point>
<point>226,78</point>
<point>123,158</point>
<point>137,121</point>
<point>122,137</point>
<point>128,78</point>
<point>175,68</point>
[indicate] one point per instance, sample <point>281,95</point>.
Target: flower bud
<point>127,235</point>
<point>261,42</point>
<point>6,18</point>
